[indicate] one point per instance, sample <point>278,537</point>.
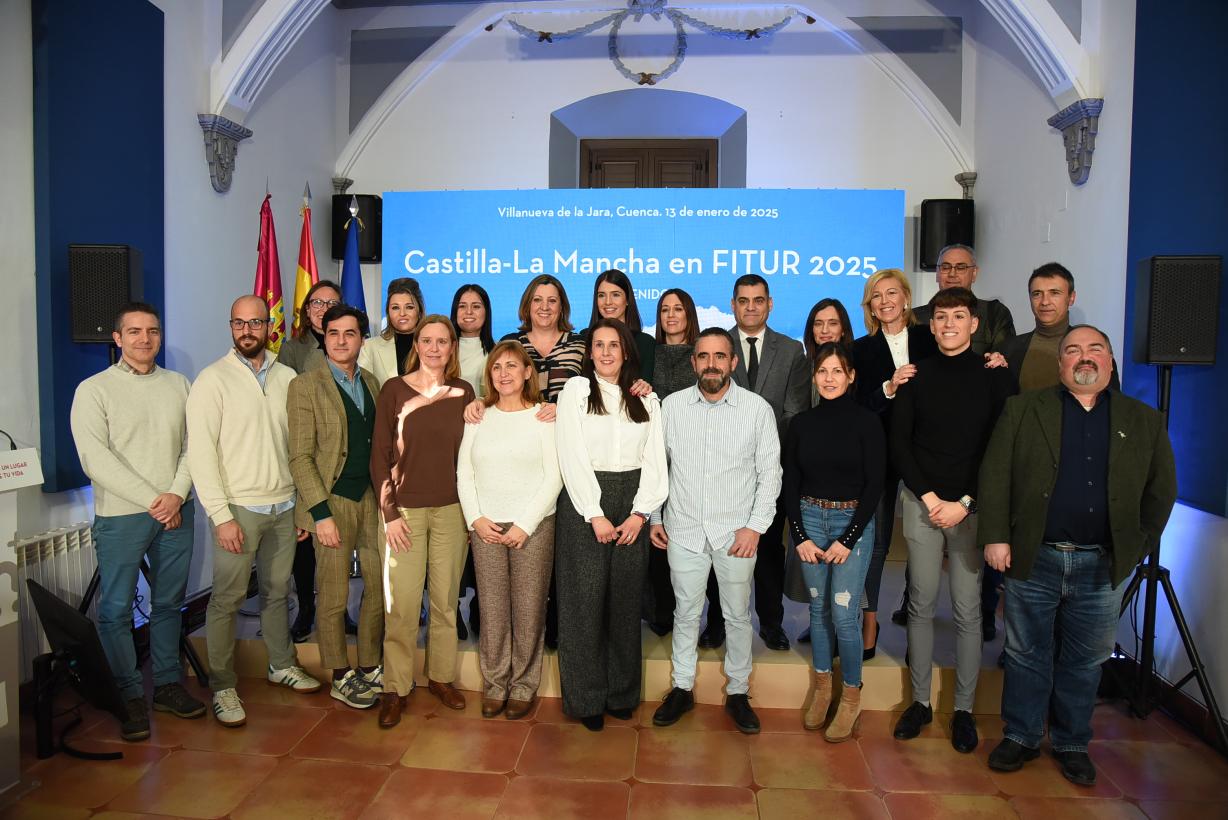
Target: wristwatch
<point>968,503</point>
<point>641,515</point>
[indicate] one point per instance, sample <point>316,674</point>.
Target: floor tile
<point>925,765</point>
<point>473,705</point>
<point>575,753</point>
<point>129,815</point>
<point>1042,777</point>
<point>808,762</point>
<point>1161,771</point>
<point>29,809</point>
<point>882,724</point>
<point>192,783</point>
<point>782,720</point>
<point>319,789</point>
<point>656,801</point>
<point>270,730</point>
<point>467,745</point>
<point>947,807</point>
<point>705,758</point>
<point>533,798</point>
<point>1183,810</point>
<point>790,804</point>
<point>356,737</point>
<point>425,793</point>
<point>87,784</point>
<point>1112,721</point>
<point>705,717</point>
<point>258,690</point>
<point>1052,808</point>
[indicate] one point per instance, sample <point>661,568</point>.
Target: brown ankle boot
<point>848,715</point>
<point>815,714</point>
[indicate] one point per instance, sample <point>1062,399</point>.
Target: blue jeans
<point>122,542</point>
<point>835,591</point>
<point>1073,590</point>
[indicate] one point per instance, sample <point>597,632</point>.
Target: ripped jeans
<point>835,591</point>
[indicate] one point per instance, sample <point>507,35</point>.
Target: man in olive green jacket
<point>1075,488</point>
<point>331,415</point>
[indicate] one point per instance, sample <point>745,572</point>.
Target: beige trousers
<point>358,524</point>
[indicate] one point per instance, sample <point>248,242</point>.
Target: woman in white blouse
<point>612,454</point>
<point>385,355</point>
<point>508,479</point>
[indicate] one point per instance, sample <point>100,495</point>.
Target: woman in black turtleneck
<point>304,351</point>
<point>834,457</point>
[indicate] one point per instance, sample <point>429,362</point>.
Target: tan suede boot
<point>815,713</point>
<point>848,715</point>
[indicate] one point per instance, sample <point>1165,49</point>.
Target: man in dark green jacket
<point>1075,487</point>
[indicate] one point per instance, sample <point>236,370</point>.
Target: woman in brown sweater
<point>418,431</point>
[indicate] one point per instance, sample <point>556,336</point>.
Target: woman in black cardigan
<point>886,358</point>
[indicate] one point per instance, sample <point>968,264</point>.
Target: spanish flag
<point>308,274</point>
<point>268,277</point>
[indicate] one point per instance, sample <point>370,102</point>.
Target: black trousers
<point>769,581</point>
<point>304,572</point>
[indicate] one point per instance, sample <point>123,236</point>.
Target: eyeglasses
<point>323,303</point>
<point>947,267</point>
<point>254,324</point>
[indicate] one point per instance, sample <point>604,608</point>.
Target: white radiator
<point>63,561</point>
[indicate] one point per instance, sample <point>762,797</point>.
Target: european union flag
<point>351,271</point>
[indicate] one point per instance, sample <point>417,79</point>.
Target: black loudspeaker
<point>101,280</point>
<point>370,233</point>
<point>944,222</point>
<point>1176,309</point>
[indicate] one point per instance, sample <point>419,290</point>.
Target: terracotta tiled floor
<point>308,756</point>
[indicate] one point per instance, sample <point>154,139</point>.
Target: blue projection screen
<point>808,245</point>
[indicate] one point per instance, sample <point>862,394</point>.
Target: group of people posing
<point>601,478</point>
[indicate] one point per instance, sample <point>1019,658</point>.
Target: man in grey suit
<point>773,366</point>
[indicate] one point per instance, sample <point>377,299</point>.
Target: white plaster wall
<point>1028,212</point>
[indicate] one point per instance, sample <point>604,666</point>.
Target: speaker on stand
<point>1176,313</point>
<point>944,222</point>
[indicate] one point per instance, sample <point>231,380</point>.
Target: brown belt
<point>824,504</point>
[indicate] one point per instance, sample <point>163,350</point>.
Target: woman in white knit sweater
<point>508,480</point>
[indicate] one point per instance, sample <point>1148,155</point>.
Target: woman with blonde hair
<point>385,355</point>
<point>414,450</point>
<point>885,358</point>
<point>508,480</point>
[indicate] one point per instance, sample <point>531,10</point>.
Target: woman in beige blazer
<point>385,355</point>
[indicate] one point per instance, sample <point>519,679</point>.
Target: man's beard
<point>245,343</point>
<point>713,381</point>
<point>1086,377</point>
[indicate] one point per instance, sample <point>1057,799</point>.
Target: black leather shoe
<point>1077,767</point>
<point>712,638</point>
<point>676,704</point>
<point>910,723</point>
<point>805,636</point>
<point>744,717</point>
<point>989,629</point>
<point>300,631</point>
<point>868,654</point>
<point>775,638</point>
<point>1010,755</point>
<point>963,732</point>
<point>594,723</point>
<point>660,629</point>
<point>620,714</point>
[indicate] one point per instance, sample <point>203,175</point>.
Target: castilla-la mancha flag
<point>307,274</point>
<point>268,277</point>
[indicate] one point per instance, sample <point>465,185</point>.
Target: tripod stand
<point>185,646</point>
<point>1142,702</point>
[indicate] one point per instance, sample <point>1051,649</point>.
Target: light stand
<point>1142,701</point>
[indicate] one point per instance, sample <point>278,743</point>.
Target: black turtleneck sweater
<point>835,451</point>
<point>942,421</point>
<point>404,343</point>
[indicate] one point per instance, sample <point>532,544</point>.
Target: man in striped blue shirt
<point>724,477</point>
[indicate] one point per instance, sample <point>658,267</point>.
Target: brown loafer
<point>390,706</point>
<point>448,694</point>
<point>492,706</point>
<point>516,709</point>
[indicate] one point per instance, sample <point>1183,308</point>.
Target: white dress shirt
<point>612,443</point>
<point>745,346</point>
<point>897,343</point>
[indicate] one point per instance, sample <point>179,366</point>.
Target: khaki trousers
<point>439,546</point>
<point>358,525</point>
<point>512,584</point>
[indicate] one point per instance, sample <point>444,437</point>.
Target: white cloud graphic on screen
<point>708,317</point>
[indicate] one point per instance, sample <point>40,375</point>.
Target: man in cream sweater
<point>128,423</point>
<point>238,452</point>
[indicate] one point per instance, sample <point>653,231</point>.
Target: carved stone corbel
<point>341,184</point>
<point>967,181</point>
<point>1079,123</point>
<point>222,137</point>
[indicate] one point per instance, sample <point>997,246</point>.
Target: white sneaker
<point>374,678</point>
<point>228,709</point>
<point>295,678</point>
<point>352,690</point>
